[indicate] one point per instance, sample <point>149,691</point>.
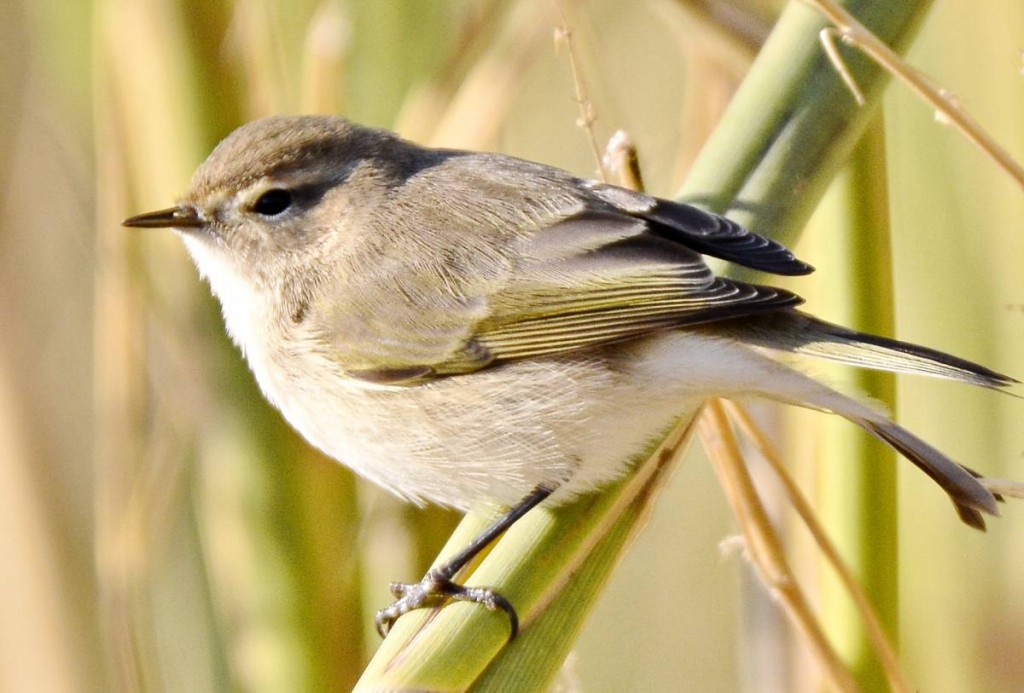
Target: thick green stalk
<point>857,473</point>
<point>793,122</point>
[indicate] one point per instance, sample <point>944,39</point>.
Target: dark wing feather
<point>723,238</point>
<point>704,232</point>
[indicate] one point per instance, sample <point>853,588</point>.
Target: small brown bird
<point>477,330</point>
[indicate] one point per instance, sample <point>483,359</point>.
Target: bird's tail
<point>770,378</point>
<point>804,334</point>
<point>969,496</point>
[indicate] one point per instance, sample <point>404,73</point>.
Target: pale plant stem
<point>879,640</point>
<point>621,158</point>
<point>762,542</point>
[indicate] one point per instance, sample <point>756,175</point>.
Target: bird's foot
<point>437,589</point>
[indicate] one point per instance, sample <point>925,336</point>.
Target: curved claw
<point>495,601</point>
<point>436,589</point>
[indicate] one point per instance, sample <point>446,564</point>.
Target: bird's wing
<point>551,264</point>
<point>601,277</point>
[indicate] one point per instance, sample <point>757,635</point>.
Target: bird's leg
<point>438,587</point>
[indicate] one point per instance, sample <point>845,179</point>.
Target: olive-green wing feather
<point>566,296</point>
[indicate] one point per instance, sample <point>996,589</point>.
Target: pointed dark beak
<point>180,217</point>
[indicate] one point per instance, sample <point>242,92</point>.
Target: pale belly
<point>489,438</point>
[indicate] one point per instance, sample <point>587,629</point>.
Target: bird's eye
<point>273,202</point>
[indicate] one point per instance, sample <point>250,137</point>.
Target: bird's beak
<point>180,217</point>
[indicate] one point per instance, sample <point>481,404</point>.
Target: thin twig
<point>828,38</point>
<point>588,114</point>
<point>949,110</point>
<point>875,631</point>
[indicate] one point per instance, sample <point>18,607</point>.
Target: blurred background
<point>162,529</point>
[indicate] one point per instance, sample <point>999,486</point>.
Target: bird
<point>479,331</point>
